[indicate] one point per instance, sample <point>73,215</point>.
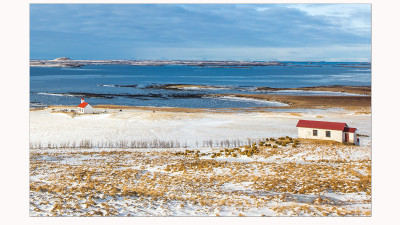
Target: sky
<point>250,32</point>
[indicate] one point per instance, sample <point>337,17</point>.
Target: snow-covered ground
<point>308,180</point>
<point>312,179</point>
<point>192,128</point>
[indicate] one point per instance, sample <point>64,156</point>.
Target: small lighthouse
<point>84,107</point>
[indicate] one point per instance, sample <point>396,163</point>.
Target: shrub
<point>275,146</point>
<point>234,155</point>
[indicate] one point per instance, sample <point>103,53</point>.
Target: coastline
<point>66,62</point>
<point>363,90</point>
<point>352,103</point>
<point>312,102</point>
<point>203,150</point>
<point>196,110</point>
<point>360,100</point>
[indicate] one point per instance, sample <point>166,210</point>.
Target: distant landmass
<point>62,59</point>
<point>58,62</point>
<point>67,62</point>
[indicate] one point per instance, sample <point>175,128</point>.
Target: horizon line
<point>205,60</point>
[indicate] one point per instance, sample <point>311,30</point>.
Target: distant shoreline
<point>78,63</point>
<point>66,62</point>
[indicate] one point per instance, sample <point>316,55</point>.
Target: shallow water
<point>101,84</point>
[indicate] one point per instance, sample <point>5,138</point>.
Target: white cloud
<point>327,53</point>
<point>262,8</point>
<point>355,18</point>
<point>337,10</point>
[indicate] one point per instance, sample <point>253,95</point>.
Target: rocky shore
<point>363,90</point>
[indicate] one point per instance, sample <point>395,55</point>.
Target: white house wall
<point>336,135</point>
<point>88,109</point>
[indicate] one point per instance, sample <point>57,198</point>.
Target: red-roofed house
<point>84,107</point>
<point>327,131</point>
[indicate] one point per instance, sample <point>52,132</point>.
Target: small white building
<point>323,130</point>
<point>84,107</point>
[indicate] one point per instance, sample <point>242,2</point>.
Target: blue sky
<point>298,32</point>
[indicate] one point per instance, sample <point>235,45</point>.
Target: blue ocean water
<point>65,86</point>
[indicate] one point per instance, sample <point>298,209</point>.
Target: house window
<point>328,134</point>
<point>315,132</point>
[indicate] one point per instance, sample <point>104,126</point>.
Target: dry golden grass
<point>156,109</point>
<point>103,182</point>
<point>37,109</point>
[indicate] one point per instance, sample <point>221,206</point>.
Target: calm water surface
<point>65,86</point>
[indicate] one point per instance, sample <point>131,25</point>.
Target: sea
<point>143,85</point>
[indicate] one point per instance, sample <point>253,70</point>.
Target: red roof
<point>322,125</point>
<point>350,129</point>
<point>83,105</point>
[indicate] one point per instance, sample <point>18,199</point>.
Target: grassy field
<point>278,177</point>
